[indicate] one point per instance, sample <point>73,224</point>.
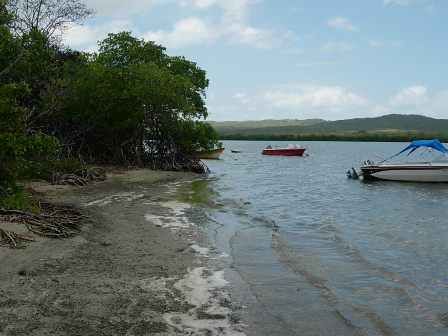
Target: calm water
<point>313,253</point>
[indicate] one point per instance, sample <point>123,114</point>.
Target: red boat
<point>288,151</point>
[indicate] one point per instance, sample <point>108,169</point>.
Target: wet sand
<point>139,268</point>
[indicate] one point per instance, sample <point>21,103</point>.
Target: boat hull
<point>407,172</point>
<point>210,154</point>
<point>284,151</point>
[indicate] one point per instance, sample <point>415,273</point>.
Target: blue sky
<point>296,59</point>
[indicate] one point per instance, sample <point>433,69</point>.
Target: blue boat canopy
<point>434,143</point>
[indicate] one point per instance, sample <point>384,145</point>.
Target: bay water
<point>314,253</point>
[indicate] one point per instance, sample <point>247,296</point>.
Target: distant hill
<point>386,126</point>
<point>237,126</point>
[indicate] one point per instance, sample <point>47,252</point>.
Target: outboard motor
<point>352,174</point>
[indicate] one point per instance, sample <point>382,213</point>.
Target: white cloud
<point>194,31</point>
<point>397,2</point>
<point>228,22</point>
<point>231,24</point>
<point>242,98</point>
<point>290,101</point>
<point>234,10</point>
<point>340,22</point>
<point>188,31</point>
<point>205,3</point>
<point>336,47</point>
<point>382,43</point>
<point>302,101</point>
<point>120,7</point>
<point>86,37</point>
<point>310,96</point>
<point>412,95</point>
<point>245,34</point>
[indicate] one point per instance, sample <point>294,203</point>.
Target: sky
<point>295,59</point>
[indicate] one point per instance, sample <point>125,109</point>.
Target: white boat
<point>429,171</point>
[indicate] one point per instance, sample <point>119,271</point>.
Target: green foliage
<point>131,96</point>
<point>23,156</point>
<point>67,166</point>
<point>16,198</point>
<point>21,153</point>
<point>122,49</point>
<point>197,135</point>
<point>32,72</point>
<point>129,103</point>
<point>12,116</point>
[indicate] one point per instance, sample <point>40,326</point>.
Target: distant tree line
<point>129,103</point>
<point>355,136</point>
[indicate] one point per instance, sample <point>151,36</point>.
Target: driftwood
<point>13,239</point>
<point>54,221</point>
<point>80,177</point>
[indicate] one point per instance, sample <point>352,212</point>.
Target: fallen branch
<point>13,239</point>
<point>54,221</point>
<point>80,177</point>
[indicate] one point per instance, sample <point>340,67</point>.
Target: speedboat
<point>291,150</point>
<point>210,154</point>
<point>428,171</point>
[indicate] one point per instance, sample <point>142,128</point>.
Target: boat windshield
<point>443,158</point>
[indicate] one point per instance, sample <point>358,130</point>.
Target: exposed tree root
<point>13,239</point>
<point>80,177</point>
<point>178,163</point>
<point>54,221</point>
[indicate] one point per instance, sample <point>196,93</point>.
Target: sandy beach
<point>139,268</point>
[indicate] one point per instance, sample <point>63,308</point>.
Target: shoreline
<point>140,267</point>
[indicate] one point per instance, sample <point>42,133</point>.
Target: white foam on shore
<point>204,290</point>
<point>198,287</point>
<point>168,222</point>
<point>126,196</point>
<point>222,256</point>
<point>176,207</point>
<point>186,323</point>
<point>174,217</point>
<point>203,251</point>
<point>173,187</point>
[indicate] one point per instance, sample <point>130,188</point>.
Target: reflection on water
<point>320,254</point>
